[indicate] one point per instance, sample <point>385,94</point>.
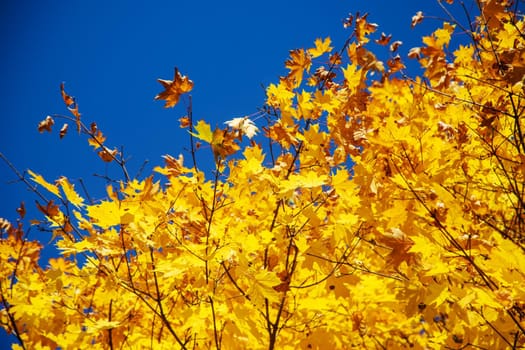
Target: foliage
<point>384,212</point>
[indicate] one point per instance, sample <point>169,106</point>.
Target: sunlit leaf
<point>42,182</point>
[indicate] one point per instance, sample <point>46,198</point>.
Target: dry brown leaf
<point>417,18</point>
<point>395,45</point>
<point>184,122</point>
<point>63,130</point>
<point>107,155</point>
<point>46,124</point>
<point>384,40</point>
<point>21,210</point>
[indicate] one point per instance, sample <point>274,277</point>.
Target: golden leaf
<point>42,182</point>
<point>69,190</point>
<point>321,47</point>
<point>97,139</point>
<point>299,62</point>
<point>203,131</point>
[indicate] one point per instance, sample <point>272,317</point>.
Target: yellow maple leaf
<point>42,182</point>
<point>279,96</point>
<point>97,139</point>
<point>203,131</point>
<point>352,76</point>
<point>174,89</point>
<point>321,47</point>
<point>443,34</point>
<point>103,325</point>
<point>105,214</point>
<point>262,287</point>
<point>69,190</point>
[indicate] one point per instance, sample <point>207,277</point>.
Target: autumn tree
<point>362,208</point>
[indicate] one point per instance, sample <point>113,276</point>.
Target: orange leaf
<point>395,64</point>
<point>184,122</point>
<point>384,40</point>
<point>50,210</point>
<point>107,155</point>
<point>282,134</point>
<point>174,89</point>
<point>97,139</point>
<point>223,143</point>
<point>299,62</point>
<point>68,100</point>
<point>363,28</point>
<point>46,124</point>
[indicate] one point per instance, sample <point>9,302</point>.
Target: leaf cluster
<point>378,211</point>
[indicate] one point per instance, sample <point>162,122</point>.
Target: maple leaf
<point>263,287</point>
<point>174,166</point>
<point>384,40</point>
<point>395,64</point>
<point>321,47</point>
<point>400,244</point>
<point>283,134</point>
<point>107,155</point>
<point>174,89</point>
<point>97,138</point>
<point>223,143</point>
<point>105,214</point>
<point>244,125</point>
<point>203,131</point>
<point>353,76</point>
<point>50,210</point>
<point>443,34</point>
<point>42,182</point>
<point>299,62</point>
<point>363,29</point>
<point>69,190</point>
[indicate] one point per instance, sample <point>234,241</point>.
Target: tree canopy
<point>361,208</point>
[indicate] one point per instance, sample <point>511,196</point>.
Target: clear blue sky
<point>110,53</point>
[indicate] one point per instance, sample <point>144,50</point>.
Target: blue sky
<point>110,53</point>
